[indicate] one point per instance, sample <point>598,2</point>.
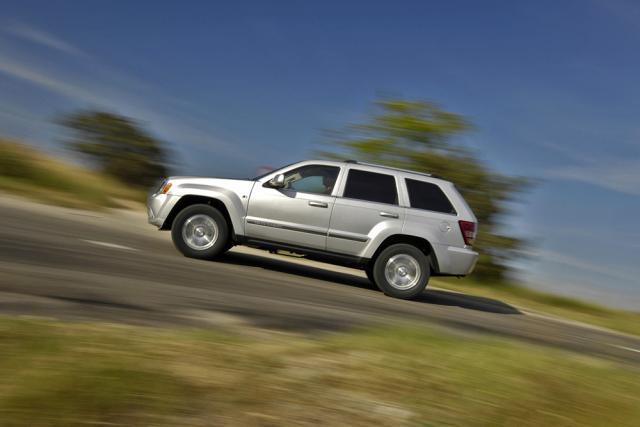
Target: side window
<point>319,179</point>
<point>425,195</point>
<point>371,186</point>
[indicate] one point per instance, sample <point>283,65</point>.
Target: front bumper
<point>159,206</point>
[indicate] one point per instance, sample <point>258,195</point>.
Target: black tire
<point>368,269</point>
<point>403,252</point>
<point>205,216</point>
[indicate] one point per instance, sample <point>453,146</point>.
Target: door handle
<point>389,214</point>
<point>318,204</point>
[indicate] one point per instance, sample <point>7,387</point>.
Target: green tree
<point>118,145</point>
<point>418,135</point>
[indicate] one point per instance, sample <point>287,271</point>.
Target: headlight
<point>164,189</point>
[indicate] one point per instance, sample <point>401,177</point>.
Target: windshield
<point>272,171</point>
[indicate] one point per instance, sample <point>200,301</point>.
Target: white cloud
<point>26,73</point>
<point>93,85</point>
<point>43,38</point>
<point>622,175</point>
<point>583,264</point>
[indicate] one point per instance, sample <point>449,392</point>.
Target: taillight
<point>468,229</point>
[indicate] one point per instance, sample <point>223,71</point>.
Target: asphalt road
<point>77,265</point>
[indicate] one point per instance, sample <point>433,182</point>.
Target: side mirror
<point>277,181</point>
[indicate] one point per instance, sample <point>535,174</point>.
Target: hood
<point>182,184</point>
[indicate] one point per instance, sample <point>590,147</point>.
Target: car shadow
<point>470,302</point>
<point>430,296</point>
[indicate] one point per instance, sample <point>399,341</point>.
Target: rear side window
<point>425,195</point>
<point>371,186</point>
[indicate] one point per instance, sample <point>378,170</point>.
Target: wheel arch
<point>421,243</point>
<point>192,199</point>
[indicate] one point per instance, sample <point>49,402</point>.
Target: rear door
<point>368,204</point>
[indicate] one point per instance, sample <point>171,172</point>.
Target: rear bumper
<point>456,261</point>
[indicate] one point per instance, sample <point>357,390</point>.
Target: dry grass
<point>28,172</point>
<point>58,374</point>
<point>563,307</point>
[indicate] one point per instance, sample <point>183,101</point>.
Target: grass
<point>56,374</point>
<point>532,300</point>
<point>28,172</point>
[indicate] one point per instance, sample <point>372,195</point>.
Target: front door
<point>297,214</point>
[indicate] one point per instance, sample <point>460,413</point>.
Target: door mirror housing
<point>276,182</point>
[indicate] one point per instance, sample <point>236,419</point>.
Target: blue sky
<point>552,87</point>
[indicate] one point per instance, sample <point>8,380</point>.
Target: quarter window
<point>371,186</point>
<point>425,195</point>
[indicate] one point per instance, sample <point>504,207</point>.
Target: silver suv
<point>400,226</point>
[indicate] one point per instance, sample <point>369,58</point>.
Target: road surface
<point>77,265</point>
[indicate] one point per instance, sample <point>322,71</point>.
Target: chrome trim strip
<point>339,235</point>
<point>285,227</point>
<point>335,234</point>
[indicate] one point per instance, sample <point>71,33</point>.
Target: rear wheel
<point>200,231</point>
<point>401,271</point>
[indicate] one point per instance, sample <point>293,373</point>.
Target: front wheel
<point>401,271</point>
<point>368,269</point>
<point>200,231</point>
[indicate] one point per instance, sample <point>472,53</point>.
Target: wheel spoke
<point>402,271</point>
<point>200,232</point>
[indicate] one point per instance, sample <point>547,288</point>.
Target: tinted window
<point>374,187</point>
<point>425,195</point>
<point>312,179</point>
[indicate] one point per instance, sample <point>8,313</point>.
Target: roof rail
<point>398,169</point>
<point>350,161</point>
